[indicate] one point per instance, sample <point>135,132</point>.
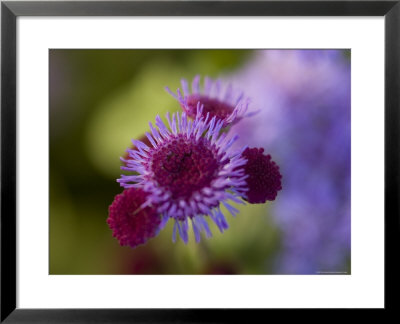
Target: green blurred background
<point>99,101</point>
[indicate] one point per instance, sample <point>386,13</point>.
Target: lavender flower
<point>189,170</point>
<point>219,102</point>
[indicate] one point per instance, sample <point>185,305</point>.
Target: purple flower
<point>220,102</point>
<point>187,172</point>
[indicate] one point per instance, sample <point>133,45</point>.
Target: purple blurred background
<point>304,123</point>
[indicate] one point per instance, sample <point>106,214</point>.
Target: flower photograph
<point>200,161</point>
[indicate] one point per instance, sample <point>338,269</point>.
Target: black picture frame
<point>10,10</point>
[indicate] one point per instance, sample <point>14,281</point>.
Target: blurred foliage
<point>99,101</point>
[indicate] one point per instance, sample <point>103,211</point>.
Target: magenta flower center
<point>184,166</point>
<point>213,106</point>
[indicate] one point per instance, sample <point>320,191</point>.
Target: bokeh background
<point>101,99</point>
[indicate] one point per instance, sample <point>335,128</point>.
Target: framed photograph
<point>189,161</point>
